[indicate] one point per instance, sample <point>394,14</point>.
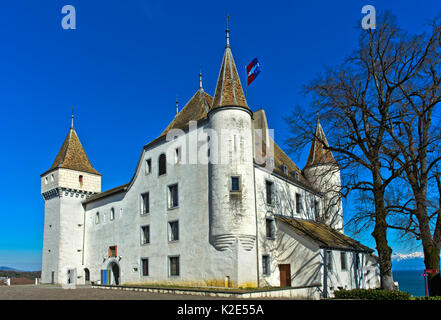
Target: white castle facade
<point>214,202</point>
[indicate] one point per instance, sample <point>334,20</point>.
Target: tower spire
<point>229,90</point>
<point>319,154</point>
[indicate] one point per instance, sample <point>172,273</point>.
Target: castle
<point>214,202</point>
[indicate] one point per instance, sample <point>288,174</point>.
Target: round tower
<point>323,172</point>
<point>231,171</point>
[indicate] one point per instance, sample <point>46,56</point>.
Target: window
<point>178,155</point>
<point>317,209</point>
<point>52,178</point>
<point>148,166</point>
<point>162,165</point>
<point>97,218</point>
<point>285,169</point>
<point>113,251</point>
<point>269,192</point>
<point>80,180</point>
<point>173,231</point>
<point>173,196</point>
<point>343,260</point>
<point>298,202</point>
<point>235,184</point>
<point>112,214</point>
<point>173,266</point>
<point>45,180</point>
<point>145,266</point>
<point>329,260</point>
<point>270,228</point>
<point>266,264</point>
<point>296,175</point>
<point>145,234</point>
<point>145,203</point>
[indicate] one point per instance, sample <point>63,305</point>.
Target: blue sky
<point>123,67</point>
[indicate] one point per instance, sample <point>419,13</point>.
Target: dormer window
<point>285,169</point>
<point>296,175</point>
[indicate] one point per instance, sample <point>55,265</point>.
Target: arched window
<point>112,214</point>
<point>162,164</point>
<point>80,180</point>
<point>97,218</point>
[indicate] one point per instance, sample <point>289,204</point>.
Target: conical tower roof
<point>72,155</point>
<point>229,90</point>
<point>318,154</point>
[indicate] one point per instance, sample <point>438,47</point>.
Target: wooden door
<point>285,275</point>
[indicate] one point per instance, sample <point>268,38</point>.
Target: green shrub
<point>428,298</point>
<point>371,294</point>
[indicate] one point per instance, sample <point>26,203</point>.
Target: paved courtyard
<point>52,292</point>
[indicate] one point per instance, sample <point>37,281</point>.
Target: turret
<point>69,181</point>
<point>231,172</point>
<point>323,172</point>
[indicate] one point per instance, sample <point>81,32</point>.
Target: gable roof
<point>72,155</point>
<point>322,234</point>
<point>196,109</point>
<point>280,157</point>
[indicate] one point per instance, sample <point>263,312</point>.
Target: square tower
<point>70,180</point>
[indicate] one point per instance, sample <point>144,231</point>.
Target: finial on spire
<point>228,31</point>
<point>72,121</point>
<point>177,105</point>
<point>200,77</point>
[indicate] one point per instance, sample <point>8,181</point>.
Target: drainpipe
<point>325,274</point>
<point>84,235</point>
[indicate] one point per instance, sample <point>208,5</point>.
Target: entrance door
<point>113,274</point>
<point>285,275</point>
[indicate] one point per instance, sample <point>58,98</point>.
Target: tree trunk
<point>431,261</point>
<point>384,254</point>
<point>380,236</point>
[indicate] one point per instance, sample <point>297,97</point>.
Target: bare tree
<point>415,146</point>
<point>354,100</point>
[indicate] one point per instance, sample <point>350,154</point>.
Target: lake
<point>411,281</point>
